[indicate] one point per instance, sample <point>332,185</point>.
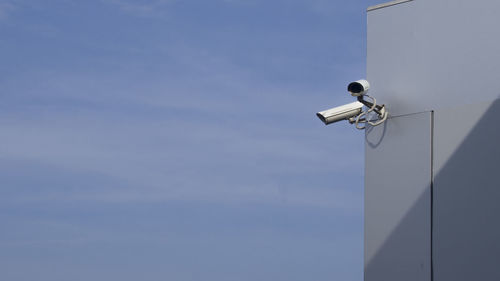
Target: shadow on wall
<point>375,142</point>
<point>466,207</point>
<point>398,173</point>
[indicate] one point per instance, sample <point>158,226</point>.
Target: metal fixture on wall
<point>374,115</point>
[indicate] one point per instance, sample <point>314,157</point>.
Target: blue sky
<point>177,140</point>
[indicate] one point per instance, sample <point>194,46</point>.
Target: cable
<point>382,114</point>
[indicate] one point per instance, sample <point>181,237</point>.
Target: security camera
<point>340,113</point>
<point>374,114</point>
<point>358,88</point>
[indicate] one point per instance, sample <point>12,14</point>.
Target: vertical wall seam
<point>432,197</point>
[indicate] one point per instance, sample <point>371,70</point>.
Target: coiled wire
<point>361,120</point>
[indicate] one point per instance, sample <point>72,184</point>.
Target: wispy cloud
<point>141,8</point>
<point>166,138</point>
<point>6,7</point>
<point>147,160</point>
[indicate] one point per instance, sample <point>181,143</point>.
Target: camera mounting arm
<point>378,108</point>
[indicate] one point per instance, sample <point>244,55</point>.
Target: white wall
<point>441,56</point>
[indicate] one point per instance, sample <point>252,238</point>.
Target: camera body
<point>339,113</point>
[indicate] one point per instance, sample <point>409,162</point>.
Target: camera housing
<point>339,113</point>
<point>358,88</point>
